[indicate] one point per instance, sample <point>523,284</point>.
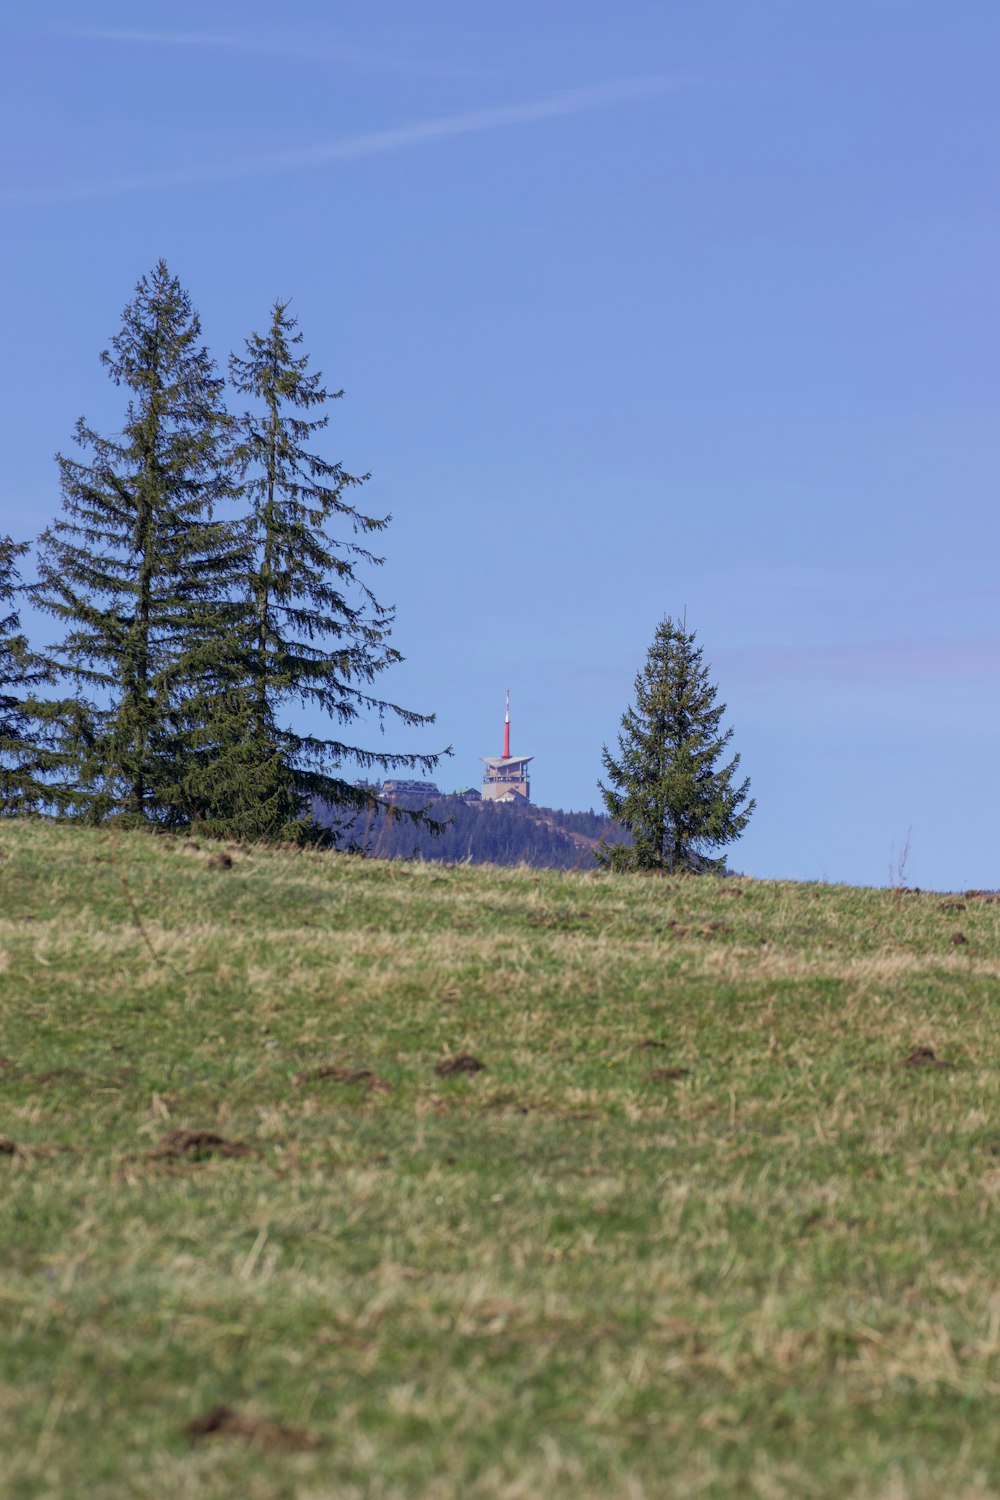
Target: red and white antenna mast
<point>506,729</point>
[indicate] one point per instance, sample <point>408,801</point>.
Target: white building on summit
<point>506,776</point>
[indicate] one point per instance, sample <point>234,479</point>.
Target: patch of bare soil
<point>923,1057</point>
<point>29,1153</point>
<point>259,1432</point>
<point>669,1075</point>
<point>329,1073</point>
<point>198,1145</point>
<point>463,1062</point>
<point>55,1075</point>
<point>99,1082</point>
<point>220,861</point>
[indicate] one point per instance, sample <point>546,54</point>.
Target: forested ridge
<point>458,830</point>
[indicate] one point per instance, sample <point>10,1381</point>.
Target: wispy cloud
<point>372,143</point>
<point>161,38</point>
<point>288,44</point>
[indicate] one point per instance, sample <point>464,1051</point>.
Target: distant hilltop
<point>497,825</point>
<point>475,829</point>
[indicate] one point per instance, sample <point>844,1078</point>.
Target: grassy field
<point>708,1221</point>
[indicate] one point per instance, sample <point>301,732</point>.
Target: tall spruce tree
<point>319,635</point>
<point>142,571</point>
<point>666,785</point>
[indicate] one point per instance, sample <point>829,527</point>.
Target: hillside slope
<point>715,1216</point>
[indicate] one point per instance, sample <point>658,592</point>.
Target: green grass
<point>564,1276</point>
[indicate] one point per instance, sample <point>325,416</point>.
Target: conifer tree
<point>319,635</point>
<point>21,786</point>
<point>666,786</point>
<point>141,570</point>
<point>32,729</point>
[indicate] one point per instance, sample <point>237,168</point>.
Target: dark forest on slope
<point>474,832</point>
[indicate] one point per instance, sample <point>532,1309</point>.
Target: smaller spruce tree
<point>666,785</point>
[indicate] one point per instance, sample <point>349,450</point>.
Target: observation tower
<point>506,776</point>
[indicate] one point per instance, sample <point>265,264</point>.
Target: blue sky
<point>638,308</point>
